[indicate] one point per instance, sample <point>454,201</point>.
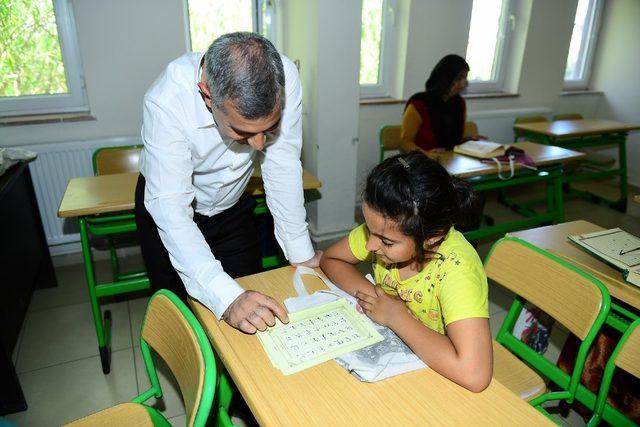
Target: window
<point>209,19</point>
<point>377,40</point>
<point>40,63</point>
<point>583,42</point>
<point>492,25</point>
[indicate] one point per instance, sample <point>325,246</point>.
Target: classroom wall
<point>616,73</point>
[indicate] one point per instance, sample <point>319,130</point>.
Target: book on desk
<point>616,247</point>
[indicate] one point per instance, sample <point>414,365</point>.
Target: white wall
<point>616,73</point>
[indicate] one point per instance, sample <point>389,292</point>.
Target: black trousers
<point>231,235</point>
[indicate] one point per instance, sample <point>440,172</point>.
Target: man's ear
<point>206,94</point>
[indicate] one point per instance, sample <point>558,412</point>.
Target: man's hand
<point>312,263</point>
<point>253,311</point>
<point>382,308</point>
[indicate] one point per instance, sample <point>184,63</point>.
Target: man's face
<point>231,124</point>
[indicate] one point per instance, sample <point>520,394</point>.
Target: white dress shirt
<point>188,165</point>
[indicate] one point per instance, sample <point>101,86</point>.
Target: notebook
<point>480,149</point>
<point>616,247</point>
<point>316,335</point>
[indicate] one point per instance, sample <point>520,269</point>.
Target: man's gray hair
<point>246,69</point>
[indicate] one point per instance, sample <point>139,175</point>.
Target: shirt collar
<point>204,119</point>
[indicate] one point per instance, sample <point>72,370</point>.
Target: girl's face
<point>459,83</point>
<point>386,239</point>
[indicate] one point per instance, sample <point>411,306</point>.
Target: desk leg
<point>103,328</point>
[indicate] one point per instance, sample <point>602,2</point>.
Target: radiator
<point>55,165</point>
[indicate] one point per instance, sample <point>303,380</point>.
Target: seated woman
<point>434,119</point>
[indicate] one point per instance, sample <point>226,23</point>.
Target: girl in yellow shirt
<point>430,286</point>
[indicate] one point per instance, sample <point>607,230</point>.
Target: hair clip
<point>403,162</point>
<point>415,208</point>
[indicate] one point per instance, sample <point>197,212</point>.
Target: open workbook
<point>616,247</point>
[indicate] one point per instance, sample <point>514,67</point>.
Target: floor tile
<point>137,308</point>
<point>62,393</point>
<point>179,421</point>
<point>495,321</point>
<point>171,404</point>
<point>68,333</point>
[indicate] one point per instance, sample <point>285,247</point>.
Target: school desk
<point>483,177</point>
<point>625,304</point>
<point>327,394</point>
<point>576,134</point>
<point>88,197</point>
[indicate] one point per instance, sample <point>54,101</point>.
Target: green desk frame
<point>550,175</point>
<point>576,143</point>
<point>107,226</point>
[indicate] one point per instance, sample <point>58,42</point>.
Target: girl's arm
<point>339,265</point>
<point>464,355</point>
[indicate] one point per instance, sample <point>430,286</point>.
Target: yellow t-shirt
<point>452,286</point>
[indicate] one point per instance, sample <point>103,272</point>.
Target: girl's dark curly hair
<point>420,195</point>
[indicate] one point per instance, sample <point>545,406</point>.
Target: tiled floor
<point>57,356</point>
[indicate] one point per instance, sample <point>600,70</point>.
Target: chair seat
<point>129,414</point>
<point>515,374</point>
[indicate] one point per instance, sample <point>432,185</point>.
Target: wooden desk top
<point>584,127</point>
<point>116,193</point>
<point>554,238</point>
<point>327,395</point>
<point>464,166</point>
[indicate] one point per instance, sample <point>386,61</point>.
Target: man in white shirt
<point>206,119</point>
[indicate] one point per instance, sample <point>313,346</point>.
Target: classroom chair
<point>470,129</point>
<point>575,299</point>
<point>107,161</point>
<point>389,139</point>
<point>526,119</point>
<point>625,356</point>
<point>173,332</point>
<point>567,116</point>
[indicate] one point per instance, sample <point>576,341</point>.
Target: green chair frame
<point>567,383</point>
<point>609,369</point>
<point>107,225</point>
<point>120,218</point>
<point>389,139</point>
<point>210,371</point>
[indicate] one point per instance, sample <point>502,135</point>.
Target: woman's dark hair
<point>444,73</point>
<point>420,195</point>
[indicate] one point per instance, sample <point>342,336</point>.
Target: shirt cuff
<point>299,250</point>
<point>220,293</point>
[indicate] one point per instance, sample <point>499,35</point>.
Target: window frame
<point>501,56</point>
<point>386,68</point>
<point>75,100</point>
<point>256,17</point>
<point>586,56</point>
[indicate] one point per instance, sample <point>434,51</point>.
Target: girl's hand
<point>382,308</point>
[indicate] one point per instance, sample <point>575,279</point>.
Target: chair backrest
<point>470,129</point>
<point>389,139</point>
<point>172,330</point>
<point>566,293</point>
<point>109,160</point>
<point>530,119</point>
<point>568,116</point>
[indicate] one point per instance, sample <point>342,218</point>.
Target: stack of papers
<point>316,335</point>
<point>617,247</point>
